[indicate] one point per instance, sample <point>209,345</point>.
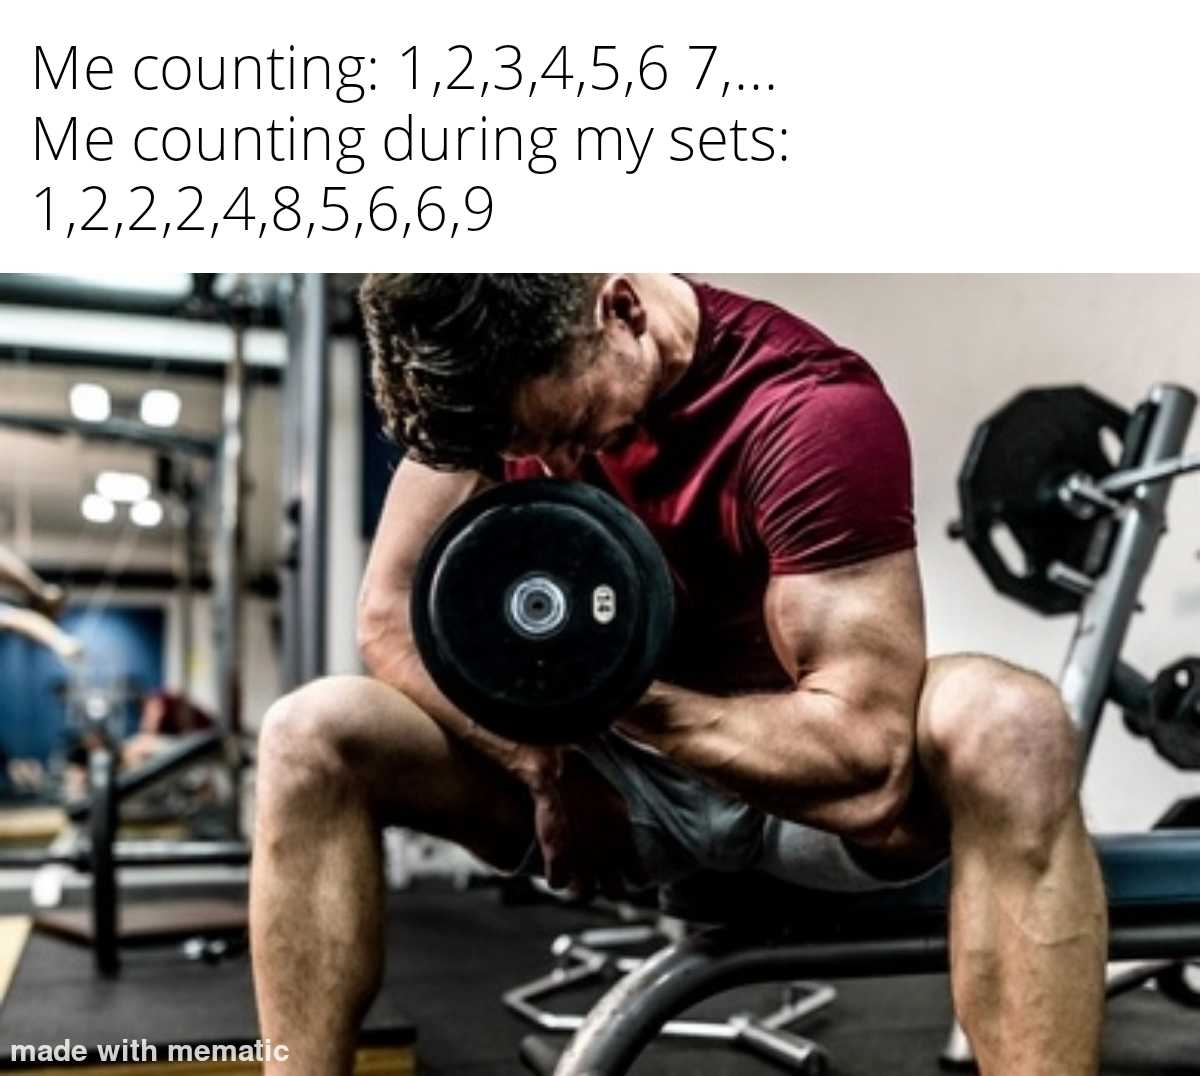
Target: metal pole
<point>102,825</point>
<point>306,404</point>
<point>189,496</point>
<point>184,604</point>
<point>289,540</point>
<point>227,552</point>
<point>1106,613</point>
<point>1154,472</point>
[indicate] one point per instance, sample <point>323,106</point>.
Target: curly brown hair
<point>450,350</point>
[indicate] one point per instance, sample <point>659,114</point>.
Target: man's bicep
<point>856,633</point>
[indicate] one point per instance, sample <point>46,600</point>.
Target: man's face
<point>595,407</point>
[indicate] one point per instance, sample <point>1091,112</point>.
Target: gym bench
<point>752,929</point>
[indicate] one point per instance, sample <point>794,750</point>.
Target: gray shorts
<point>682,825</point>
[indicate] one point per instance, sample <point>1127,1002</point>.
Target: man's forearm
<point>391,657</point>
<point>802,755</point>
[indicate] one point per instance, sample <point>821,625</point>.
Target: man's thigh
<point>412,771</point>
<point>683,825</point>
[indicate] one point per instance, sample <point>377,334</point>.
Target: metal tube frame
<point>629,1016</point>
<point>289,484</point>
<point>228,555</point>
<point>134,854</point>
<point>306,480</point>
<point>102,825</point>
<point>1104,618</point>
<point>591,955</point>
<point>189,496</point>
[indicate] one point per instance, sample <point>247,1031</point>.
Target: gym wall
<point>126,645</point>
<point>952,349</point>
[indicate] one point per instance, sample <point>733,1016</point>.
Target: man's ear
<point>619,300</point>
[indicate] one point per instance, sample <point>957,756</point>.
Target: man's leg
<point>41,629</point>
<point>1028,936</point>
<point>15,572</point>
<point>338,760</point>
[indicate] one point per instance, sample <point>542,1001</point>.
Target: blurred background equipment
<point>143,418</point>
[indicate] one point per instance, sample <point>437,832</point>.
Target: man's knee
<point>1000,742</point>
<point>314,742</point>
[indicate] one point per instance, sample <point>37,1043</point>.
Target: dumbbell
<point>541,609</point>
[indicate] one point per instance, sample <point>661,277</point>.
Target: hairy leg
<point>1028,935</point>
<point>339,759</point>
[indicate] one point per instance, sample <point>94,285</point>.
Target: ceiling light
<point>97,509</point>
<point>90,403</point>
<point>123,487</point>
<point>146,513</point>
<point>160,407</point>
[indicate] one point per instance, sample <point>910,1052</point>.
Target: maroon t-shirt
<point>778,452</point>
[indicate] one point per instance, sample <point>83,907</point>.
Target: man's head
<point>469,366</point>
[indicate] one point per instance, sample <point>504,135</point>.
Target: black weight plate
<point>511,604</point>
<point>541,608</point>
<point>1175,713</point>
<point>1181,983</point>
<point>1017,459</point>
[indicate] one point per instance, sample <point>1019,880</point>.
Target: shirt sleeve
<point>828,478</point>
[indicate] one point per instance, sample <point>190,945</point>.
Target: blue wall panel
<point>124,648</point>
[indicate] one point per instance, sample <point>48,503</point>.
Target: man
<point>797,728</point>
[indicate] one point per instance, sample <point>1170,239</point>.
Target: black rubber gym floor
<point>465,949</point>
<point>452,954</point>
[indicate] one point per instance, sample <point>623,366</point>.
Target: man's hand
<point>581,821</point>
